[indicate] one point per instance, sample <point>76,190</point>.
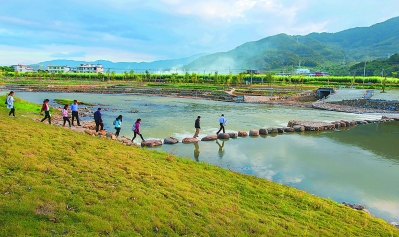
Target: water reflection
<point>196,151</point>
<point>221,150</point>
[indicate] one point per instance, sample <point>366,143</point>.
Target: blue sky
<point>137,30</point>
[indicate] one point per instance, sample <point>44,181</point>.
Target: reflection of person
<point>118,122</point>
<point>197,126</point>
<point>46,109</point>
<point>10,103</point>
<point>65,116</point>
<point>222,122</point>
<point>98,119</point>
<point>137,130</point>
<point>196,151</point>
<point>221,150</point>
<point>75,112</point>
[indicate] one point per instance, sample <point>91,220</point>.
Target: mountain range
<point>282,52</point>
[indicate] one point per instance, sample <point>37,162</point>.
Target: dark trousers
<point>75,114</point>
<point>12,111</point>
<point>135,133</point>
<point>221,127</point>
<point>46,115</point>
<point>99,124</point>
<point>117,131</point>
<point>65,120</point>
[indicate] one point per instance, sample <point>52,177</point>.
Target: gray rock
<point>223,136</point>
<point>273,130</point>
<point>280,130</point>
<point>299,128</point>
<point>288,129</point>
<point>151,143</point>
<point>210,138</point>
<point>254,133</point>
<point>242,134</point>
<point>189,140</point>
<point>170,140</point>
<point>263,131</point>
<point>233,135</point>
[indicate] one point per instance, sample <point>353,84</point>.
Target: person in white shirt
<point>10,103</point>
<point>222,122</point>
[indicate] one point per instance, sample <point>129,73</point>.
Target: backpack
<point>134,127</point>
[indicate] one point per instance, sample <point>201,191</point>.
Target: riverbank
<point>56,181</point>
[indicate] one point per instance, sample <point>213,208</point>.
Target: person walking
<point>136,130</point>
<point>10,103</point>
<point>197,126</point>
<point>75,112</point>
<point>98,120</point>
<point>117,123</point>
<point>65,116</point>
<point>46,109</point>
<point>222,122</point>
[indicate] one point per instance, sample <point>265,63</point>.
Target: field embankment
<point>54,182</point>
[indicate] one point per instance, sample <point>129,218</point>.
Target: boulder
<point>263,131</point>
<point>254,133</point>
<point>288,129</point>
<point>342,124</point>
<point>102,133</point>
<point>189,140</point>
<point>280,130</point>
<point>223,136</point>
<point>170,140</point>
<point>233,135</point>
<point>299,128</point>
<point>113,137</point>
<point>151,143</point>
<point>353,123</point>
<point>242,134</point>
<point>210,138</point>
<point>273,130</point>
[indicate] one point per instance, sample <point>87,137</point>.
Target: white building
<point>23,68</point>
<point>57,69</point>
<point>90,68</point>
<point>302,71</point>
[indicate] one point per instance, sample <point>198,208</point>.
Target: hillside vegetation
<point>54,182</point>
<point>321,51</point>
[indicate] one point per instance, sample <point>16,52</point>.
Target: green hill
<point>316,50</point>
<point>56,182</point>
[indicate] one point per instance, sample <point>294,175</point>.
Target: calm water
<point>360,165</point>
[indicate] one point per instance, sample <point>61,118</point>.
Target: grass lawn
<point>54,182</point>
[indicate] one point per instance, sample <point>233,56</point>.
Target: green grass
<point>54,181</point>
<point>69,102</point>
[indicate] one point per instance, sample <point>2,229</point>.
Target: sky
<point>150,30</point>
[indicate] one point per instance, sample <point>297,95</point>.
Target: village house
<point>90,68</point>
<point>23,68</point>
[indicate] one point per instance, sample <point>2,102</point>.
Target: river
<point>359,165</point>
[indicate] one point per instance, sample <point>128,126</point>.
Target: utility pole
<point>251,77</point>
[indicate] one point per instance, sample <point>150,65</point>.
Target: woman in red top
<point>46,109</point>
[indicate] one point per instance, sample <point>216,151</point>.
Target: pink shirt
<point>64,113</point>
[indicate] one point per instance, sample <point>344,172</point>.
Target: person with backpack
<point>117,123</point>
<point>10,104</point>
<point>46,109</point>
<point>65,116</point>
<point>136,130</point>
<point>98,120</point>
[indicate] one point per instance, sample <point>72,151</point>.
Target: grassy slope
<point>55,181</point>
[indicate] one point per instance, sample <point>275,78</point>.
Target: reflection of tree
<point>196,151</point>
<point>221,150</point>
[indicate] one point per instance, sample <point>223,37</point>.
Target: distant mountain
<point>124,66</point>
<point>314,50</point>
